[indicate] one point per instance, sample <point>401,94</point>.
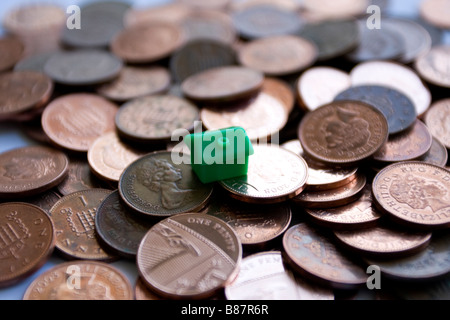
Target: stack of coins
<point>349,125</point>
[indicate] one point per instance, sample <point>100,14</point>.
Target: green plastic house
<point>219,155</point>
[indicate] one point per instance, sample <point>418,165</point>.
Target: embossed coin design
<point>28,171</point>
<point>12,50</point>
<point>343,132</point>
<point>414,193</point>
<point>154,185</point>
<point>263,276</point>
<point>274,175</point>
<point>74,219</point>
<point>27,240</point>
<point>437,120</point>
<point>314,256</point>
<point>98,281</point>
<point>189,256</point>
<point>76,120</point>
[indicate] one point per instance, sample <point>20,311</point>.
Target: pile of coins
<point>349,124</point>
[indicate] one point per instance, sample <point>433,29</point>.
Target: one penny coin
<point>27,239</point>
<point>76,120</point>
<point>28,171</point>
<point>11,52</point>
<point>189,256</point>
<point>437,120</point>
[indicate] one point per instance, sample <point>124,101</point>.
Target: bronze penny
<point>74,219</point>
<point>437,120</point>
<point>79,178</point>
<point>80,280</point>
<point>143,293</point>
<point>108,156</point>
<point>118,228</point>
<point>264,276</point>
<point>433,66</point>
<point>153,119</point>
<point>334,197</point>
<point>76,120</point>
<point>436,13</point>
<point>189,256</point>
<point>281,90</point>
<point>384,241</point>
<point>408,145</point>
<point>279,55</point>
<point>343,132</point>
<point>136,82</point>
<point>437,155</point>
<point>23,92</point>
<point>155,185</point>
<point>28,171</point>
<point>11,52</point>
<point>312,253</point>
<point>27,240</point>
<point>274,175</point>
<point>223,84</point>
<point>356,215</point>
<point>146,43</point>
<point>415,194</point>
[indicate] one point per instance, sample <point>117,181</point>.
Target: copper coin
<point>313,255</point>
<point>27,240</point>
<point>108,156</point>
<point>263,276</point>
<point>433,67</point>
<point>118,228</point>
<point>173,12</point>
<point>384,241</point>
<point>23,91</point>
<point>281,90</point>
<point>343,132</point>
<point>274,175</point>
<point>437,120</point>
<point>415,194</point>
<point>147,43</point>
<point>255,225</point>
<point>397,76</point>
<point>143,293</point>
<point>437,155</point>
<point>79,178</point>
<point>189,256</point>
<point>12,50</point>
<point>45,201</point>
<point>155,118</point>
<point>329,9</point>
<point>155,185</point>
<point>135,83</point>
<point>436,13</point>
<point>223,84</point>
<point>74,219</point>
<point>318,86</point>
<point>83,67</point>
<point>31,170</point>
<point>356,215</point>
<point>278,55</point>
<point>80,280</point>
<point>334,197</point>
<point>408,145</point>
<point>76,120</point>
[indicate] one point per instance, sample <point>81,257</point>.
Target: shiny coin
<point>27,240</point>
<point>83,67</point>
<point>22,92</point>
<point>153,119</point>
<point>223,84</point>
<point>334,197</point>
<point>31,170</point>
<point>118,228</point>
<point>74,219</point>
<point>98,281</point>
<point>384,241</point>
<point>433,67</point>
<point>415,194</point>
<point>437,120</point>
<point>343,132</point>
<point>437,155</point>
<point>263,276</point>
<point>189,256</point>
<point>79,178</point>
<point>314,256</point>
<point>155,185</point>
<point>274,175</point>
<point>76,120</point>
<point>108,156</point>
<point>398,109</point>
<point>147,43</point>
<point>408,145</point>
<point>278,55</point>
<point>135,82</point>
<point>12,51</point>
<point>436,12</point>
